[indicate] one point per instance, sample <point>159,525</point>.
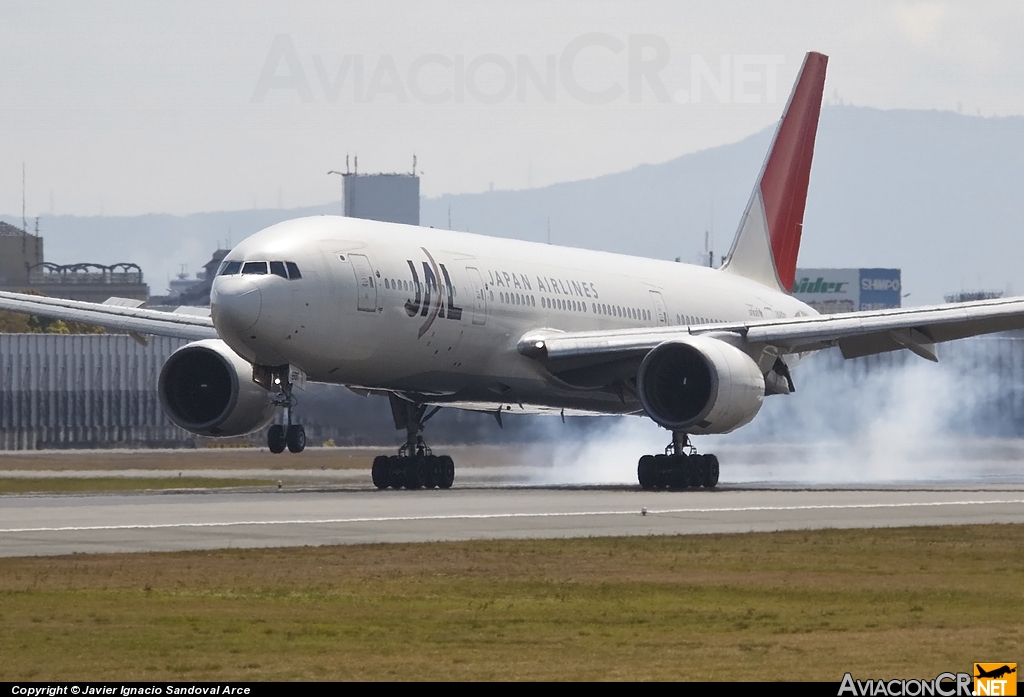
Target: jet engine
<point>207,389</point>
<point>700,385</point>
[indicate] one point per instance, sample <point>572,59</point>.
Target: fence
<point>88,391</point>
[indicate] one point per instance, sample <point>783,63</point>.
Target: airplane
<point>995,673</point>
<point>442,319</point>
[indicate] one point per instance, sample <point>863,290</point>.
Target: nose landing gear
<point>293,437</point>
<point>280,380</point>
<point>680,467</point>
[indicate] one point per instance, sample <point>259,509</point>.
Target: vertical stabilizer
<point>768,239</point>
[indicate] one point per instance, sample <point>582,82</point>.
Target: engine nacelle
<point>700,385</point>
<point>207,389</point>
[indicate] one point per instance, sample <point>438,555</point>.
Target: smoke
<point>607,455</point>
<point>889,422</point>
<point>882,419</point>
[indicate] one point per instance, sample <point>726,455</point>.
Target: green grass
<point>792,605</point>
<point>73,485</point>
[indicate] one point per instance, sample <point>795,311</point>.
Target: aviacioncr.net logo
<point>943,685</point>
<point>995,679</point>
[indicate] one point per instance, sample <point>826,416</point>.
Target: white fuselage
<point>437,314</point>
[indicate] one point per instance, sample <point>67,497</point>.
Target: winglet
<point>766,244</point>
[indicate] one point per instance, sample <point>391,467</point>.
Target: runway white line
<point>493,516</point>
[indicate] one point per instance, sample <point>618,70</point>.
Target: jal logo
<point>995,679</point>
<point>434,297</point>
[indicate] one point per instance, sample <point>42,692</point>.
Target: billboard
<point>847,290</point>
<point>880,289</point>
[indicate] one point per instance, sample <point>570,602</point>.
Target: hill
<point>935,193</point>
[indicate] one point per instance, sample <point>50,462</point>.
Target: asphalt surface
<point>351,513</point>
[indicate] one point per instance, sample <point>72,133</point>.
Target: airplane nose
<point>235,303</point>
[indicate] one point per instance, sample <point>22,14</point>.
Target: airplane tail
<point>768,238</point>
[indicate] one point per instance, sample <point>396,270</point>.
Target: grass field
<point>233,458</point>
<point>183,460</point>
<point>97,484</point>
<point>792,605</point>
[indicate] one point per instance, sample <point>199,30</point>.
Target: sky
<point>119,108</point>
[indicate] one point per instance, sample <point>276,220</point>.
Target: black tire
<point>645,472</point>
<point>414,467</point>
<point>296,438</point>
<point>682,466</point>
<point>431,470</point>
<point>711,477</point>
<point>396,472</point>
<point>276,439</point>
<point>695,467</point>
<point>381,472</point>
<point>446,471</point>
<point>662,471</point>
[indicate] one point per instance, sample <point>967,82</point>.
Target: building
<point>19,251</point>
<point>90,282</point>
<point>192,291</point>
<point>84,391</point>
<point>392,198</point>
<point>848,290</point>
<point>969,296</point>
<point>100,391</point>
<point>23,269</point>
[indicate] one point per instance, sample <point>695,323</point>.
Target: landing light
<point>539,344</point>
<point>277,381</point>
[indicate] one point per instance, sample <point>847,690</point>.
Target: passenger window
<point>254,267</point>
<point>293,270</point>
<point>277,268</point>
<point>230,268</point>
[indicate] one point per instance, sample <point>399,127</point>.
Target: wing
<point>181,324</point>
<point>855,333</point>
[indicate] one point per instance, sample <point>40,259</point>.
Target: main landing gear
<point>415,466</point>
<point>679,468</point>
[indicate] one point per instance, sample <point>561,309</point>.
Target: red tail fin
<point>767,242</point>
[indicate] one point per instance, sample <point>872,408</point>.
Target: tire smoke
<point>881,419</point>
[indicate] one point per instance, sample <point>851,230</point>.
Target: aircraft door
<point>479,296</point>
<point>366,284</point>
<point>660,310</point>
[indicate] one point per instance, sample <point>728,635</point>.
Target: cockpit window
<point>284,269</point>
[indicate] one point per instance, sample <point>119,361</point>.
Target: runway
<point>66,524</point>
